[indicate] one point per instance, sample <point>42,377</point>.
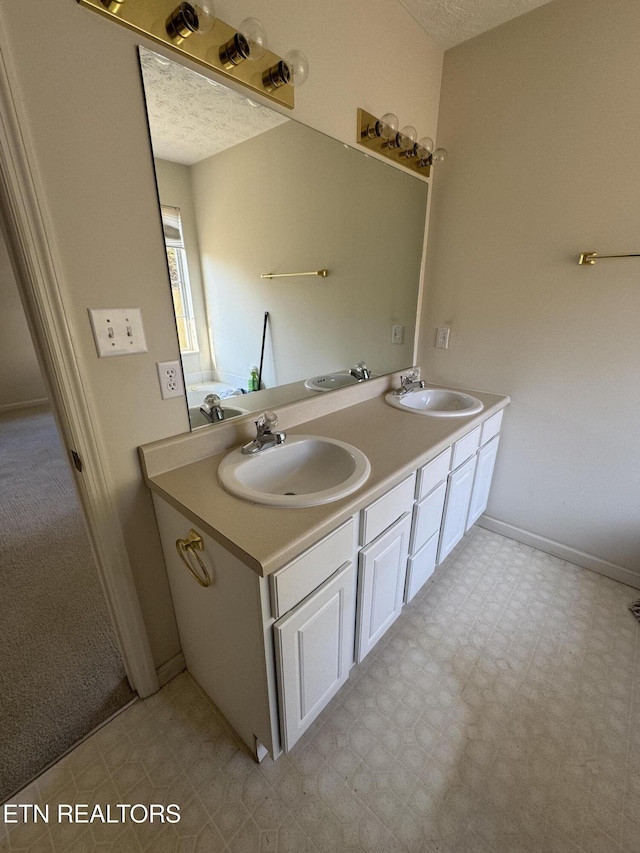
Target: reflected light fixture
<point>436,156</point>
<point>192,29</point>
<point>381,128</point>
<point>382,135</point>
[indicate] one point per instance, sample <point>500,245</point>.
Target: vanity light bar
<point>176,26</point>
<point>400,146</point>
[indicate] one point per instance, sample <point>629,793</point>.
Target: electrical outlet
<point>117,331</point>
<point>170,376</point>
<point>397,333</point>
<point>442,339</point>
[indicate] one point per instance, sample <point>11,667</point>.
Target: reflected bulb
<point>408,136</point>
<point>439,155</point>
<point>425,147</point>
<point>387,126</point>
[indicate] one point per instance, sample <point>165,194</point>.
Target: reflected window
<point>179,277</point>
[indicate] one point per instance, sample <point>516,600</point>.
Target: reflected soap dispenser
<point>253,378</point>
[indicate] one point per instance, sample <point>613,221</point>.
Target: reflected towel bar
<point>592,257</point>
<point>323,273</point>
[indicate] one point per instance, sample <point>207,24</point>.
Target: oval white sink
<point>198,418</point>
<point>306,470</point>
<point>438,402</point>
<point>330,381</point>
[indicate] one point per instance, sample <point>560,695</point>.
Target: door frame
<point>28,232</point>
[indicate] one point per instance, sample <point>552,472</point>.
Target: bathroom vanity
<point>297,596</point>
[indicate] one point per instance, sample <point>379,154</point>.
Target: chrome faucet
<point>410,382</point>
<point>360,371</point>
<point>265,437</point>
<point>211,408</point>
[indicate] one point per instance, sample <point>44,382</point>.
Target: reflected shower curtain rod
<point>592,257</point>
<point>322,273</point>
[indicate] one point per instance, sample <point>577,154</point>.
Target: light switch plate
<point>117,331</point>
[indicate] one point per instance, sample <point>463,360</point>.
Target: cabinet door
<point>314,651</point>
<point>427,517</point>
<point>381,576</point>
<point>456,507</point>
<point>421,566</point>
<point>482,481</point>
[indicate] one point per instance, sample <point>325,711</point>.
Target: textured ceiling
<point>450,22</point>
<point>191,118</point>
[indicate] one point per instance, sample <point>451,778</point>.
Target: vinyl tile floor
<point>499,714</point>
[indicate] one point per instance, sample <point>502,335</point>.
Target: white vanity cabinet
<point>485,463</point>
<point>272,651</point>
<point>315,636</point>
<point>431,487</point>
<point>314,652</point>
<point>382,564</point>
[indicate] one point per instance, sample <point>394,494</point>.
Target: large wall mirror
<point>246,191</point>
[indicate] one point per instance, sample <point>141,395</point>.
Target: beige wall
<point>307,202</point>
<point>81,97</point>
<point>541,120</point>
<point>20,375</point>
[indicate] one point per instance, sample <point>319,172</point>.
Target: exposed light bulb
<point>298,66</point>
<point>188,18</point>
<point>293,69</point>
<point>256,36</point>
<point>250,42</point>
<point>439,155</point>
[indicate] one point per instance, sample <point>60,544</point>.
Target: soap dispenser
<point>254,381</point>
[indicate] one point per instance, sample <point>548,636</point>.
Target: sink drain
<point>290,493</point>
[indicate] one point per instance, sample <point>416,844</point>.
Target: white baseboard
<point>27,404</point>
<point>564,552</point>
<point>174,666</point>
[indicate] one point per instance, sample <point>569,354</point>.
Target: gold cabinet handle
<point>189,547</point>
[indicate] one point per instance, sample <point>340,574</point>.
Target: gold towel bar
<point>322,273</point>
<point>592,257</point>
<point>190,545</point>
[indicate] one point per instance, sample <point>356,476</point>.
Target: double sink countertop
<point>184,470</point>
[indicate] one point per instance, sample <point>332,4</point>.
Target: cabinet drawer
<point>491,427</point>
<point>420,567</point>
<point>427,517</point>
<point>465,447</point>
<point>383,512</point>
<point>299,578</point>
<point>432,473</point>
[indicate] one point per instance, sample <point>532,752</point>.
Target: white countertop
<point>266,538</point>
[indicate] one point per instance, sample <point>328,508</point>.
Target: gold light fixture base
<point>149,17</point>
<point>368,138</point>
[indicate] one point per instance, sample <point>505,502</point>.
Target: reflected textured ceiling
<point>192,117</point>
<point>450,22</point>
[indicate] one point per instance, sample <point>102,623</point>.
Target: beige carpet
<point>60,670</point>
